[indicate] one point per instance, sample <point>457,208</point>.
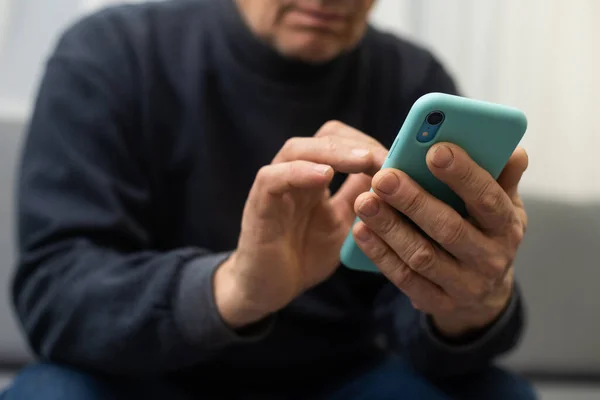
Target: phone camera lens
<point>435,118</point>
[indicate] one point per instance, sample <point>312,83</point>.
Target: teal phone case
<point>488,132</point>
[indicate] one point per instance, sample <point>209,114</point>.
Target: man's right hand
<point>292,228</point>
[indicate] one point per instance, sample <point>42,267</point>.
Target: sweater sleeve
<point>90,290</point>
<point>412,333</point>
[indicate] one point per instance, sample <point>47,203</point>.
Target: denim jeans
<point>392,379</point>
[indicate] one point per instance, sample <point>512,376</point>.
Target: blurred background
<point>539,55</point>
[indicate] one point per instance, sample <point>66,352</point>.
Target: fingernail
<point>360,152</point>
<point>322,169</point>
<point>369,208</point>
<point>442,156</point>
<point>363,235</point>
<point>388,184</point>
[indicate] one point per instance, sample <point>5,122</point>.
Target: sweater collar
<point>262,59</point>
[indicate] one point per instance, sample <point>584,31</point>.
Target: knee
<point>524,390</point>
<point>518,387</point>
<point>502,384</point>
<point>53,382</point>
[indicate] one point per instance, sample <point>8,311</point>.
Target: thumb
<point>513,172</point>
<point>343,201</point>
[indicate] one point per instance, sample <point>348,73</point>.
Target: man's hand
<point>463,275</point>
<point>292,228</point>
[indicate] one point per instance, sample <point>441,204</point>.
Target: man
<point>184,195</point>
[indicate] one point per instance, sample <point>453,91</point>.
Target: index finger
<point>337,128</point>
<point>485,199</point>
<point>343,154</point>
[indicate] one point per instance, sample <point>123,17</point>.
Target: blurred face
<point>309,30</point>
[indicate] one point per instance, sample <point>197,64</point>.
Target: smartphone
<point>488,132</point>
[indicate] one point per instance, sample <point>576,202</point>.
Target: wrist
<point>235,308</point>
<point>465,322</point>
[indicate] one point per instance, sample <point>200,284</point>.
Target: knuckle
<point>422,259</point>
<point>490,200</point>
<point>289,145</point>
<point>330,144</point>
<point>497,266</point>
<point>329,128</point>
<point>478,291</point>
<point>414,203</point>
<point>387,225</point>
<point>402,276</point>
<point>517,228</point>
<point>292,169</point>
<point>518,232</point>
<point>467,175</point>
<point>262,176</point>
<point>450,230</point>
<point>379,254</point>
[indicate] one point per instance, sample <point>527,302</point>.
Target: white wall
<point>539,55</point>
<point>28,31</point>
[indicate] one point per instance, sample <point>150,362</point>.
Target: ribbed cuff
<point>196,312</point>
<point>481,340</point>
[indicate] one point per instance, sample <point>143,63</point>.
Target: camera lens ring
<point>435,118</point>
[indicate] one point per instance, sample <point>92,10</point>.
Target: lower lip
<point>310,20</point>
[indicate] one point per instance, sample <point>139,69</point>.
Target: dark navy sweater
<point>150,124</point>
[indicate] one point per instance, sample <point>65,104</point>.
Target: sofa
<point>558,267</point>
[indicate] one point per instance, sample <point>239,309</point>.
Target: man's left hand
<point>463,276</point>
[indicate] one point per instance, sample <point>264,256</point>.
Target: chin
<point>314,51</point>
